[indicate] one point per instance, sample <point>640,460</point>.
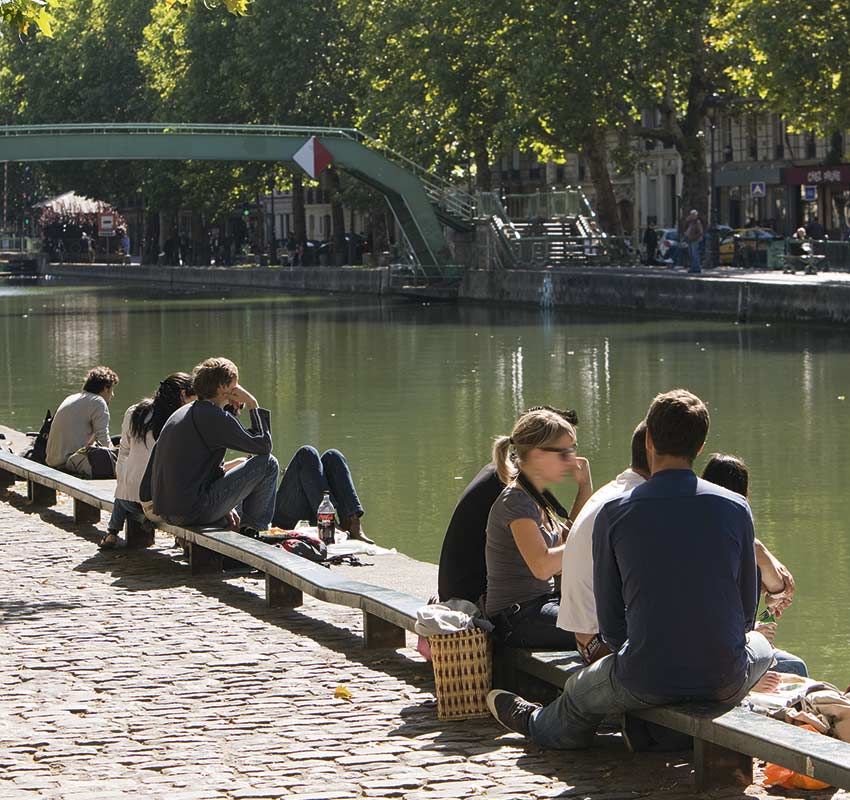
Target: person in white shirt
<point>139,432</point>
<point>577,611</point>
<point>83,418</point>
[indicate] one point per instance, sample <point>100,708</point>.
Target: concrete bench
<point>725,740</point>
<point>387,614</point>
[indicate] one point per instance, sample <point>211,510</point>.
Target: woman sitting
<point>139,431</point>
<point>525,539</point>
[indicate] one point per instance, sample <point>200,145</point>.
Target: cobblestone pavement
<point>123,676</point>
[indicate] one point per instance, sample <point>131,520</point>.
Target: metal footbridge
<point>421,202</point>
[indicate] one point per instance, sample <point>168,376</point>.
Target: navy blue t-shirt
<point>674,576</point>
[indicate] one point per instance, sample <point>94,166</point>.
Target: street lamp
<point>712,102</point>
<point>273,246</point>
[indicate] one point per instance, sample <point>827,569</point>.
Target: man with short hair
<point>677,553</point>
<point>82,419</point>
<point>577,612</point>
<point>693,233</point>
<point>187,477</point>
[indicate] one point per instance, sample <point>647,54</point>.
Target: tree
<point>434,85</point>
<point>22,16</point>
<point>791,57</point>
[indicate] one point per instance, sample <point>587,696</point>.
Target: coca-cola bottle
<point>326,516</point>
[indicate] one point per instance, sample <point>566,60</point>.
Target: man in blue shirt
<point>676,591</point>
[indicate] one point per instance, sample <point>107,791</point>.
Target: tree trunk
<point>694,176</point>
<point>151,245</point>
<point>299,218</point>
<point>596,152</point>
<point>483,173</point>
<point>332,186</point>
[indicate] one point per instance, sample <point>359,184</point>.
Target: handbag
<point>95,461</point>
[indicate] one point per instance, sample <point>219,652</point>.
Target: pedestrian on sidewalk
<point>693,233</point>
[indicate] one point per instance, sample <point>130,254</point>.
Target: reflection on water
<point>414,394</point>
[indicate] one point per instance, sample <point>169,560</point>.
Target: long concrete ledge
<point>726,293</point>
<point>356,280</point>
<point>720,293</point>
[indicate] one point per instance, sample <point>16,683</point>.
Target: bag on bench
<point>38,450</point>
<point>95,462</point>
<point>305,546</point>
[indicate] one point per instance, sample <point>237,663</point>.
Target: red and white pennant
<point>313,157</point>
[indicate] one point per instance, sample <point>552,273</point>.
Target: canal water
<point>413,393</point>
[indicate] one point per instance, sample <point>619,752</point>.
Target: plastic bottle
<point>326,516</point>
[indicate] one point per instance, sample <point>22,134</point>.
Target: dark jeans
<point>534,626</point>
<point>122,509</point>
<point>250,487</point>
<point>307,477</point>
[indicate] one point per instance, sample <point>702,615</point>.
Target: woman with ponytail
<point>140,429</point>
<point>525,537</point>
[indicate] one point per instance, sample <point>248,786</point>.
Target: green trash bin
<point>775,251</point>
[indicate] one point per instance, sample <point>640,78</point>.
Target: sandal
<point>109,542</point>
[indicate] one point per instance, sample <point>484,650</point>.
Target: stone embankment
<point>724,292</point>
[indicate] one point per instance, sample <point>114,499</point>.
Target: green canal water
<point>414,393</point>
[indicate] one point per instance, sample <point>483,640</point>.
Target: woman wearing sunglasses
<point>139,431</point>
<point>525,538</point>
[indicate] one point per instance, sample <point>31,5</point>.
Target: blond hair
<point>538,428</point>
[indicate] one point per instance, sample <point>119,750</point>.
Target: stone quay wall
<point>761,296</point>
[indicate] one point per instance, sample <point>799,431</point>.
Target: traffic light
<point>246,211</point>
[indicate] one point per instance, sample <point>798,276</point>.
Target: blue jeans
<point>570,722</point>
<point>250,485</point>
<point>693,251</point>
<point>535,626</point>
<point>307,477</point>
<point>789,664</point>
<point>124,509</point>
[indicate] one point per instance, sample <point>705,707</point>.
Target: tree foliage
<point>791,57</point>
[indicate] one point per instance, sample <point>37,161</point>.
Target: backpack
<point>38,450</point>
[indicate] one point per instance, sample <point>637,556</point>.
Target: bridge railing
<point>441,192</point>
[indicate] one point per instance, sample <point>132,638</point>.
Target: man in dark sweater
<point>187,478</point>
<point>675,586</point>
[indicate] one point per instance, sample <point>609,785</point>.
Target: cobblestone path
<point>122,676</point>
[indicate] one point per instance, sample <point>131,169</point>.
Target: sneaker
<point>251,533</point>
<point>511,710</point>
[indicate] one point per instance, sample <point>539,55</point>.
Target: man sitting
<point>578,607</point>
<point>83,418</point>
<point>187,479</point>
<point>690,593</point>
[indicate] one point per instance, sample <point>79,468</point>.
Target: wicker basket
<point>463,673</point>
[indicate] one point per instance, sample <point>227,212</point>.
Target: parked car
<point>746,247</point>
<point>668,246</point>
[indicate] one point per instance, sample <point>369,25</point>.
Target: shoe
<point>511,710</point>
<point>251,533</point>
<point>110,541</point>
<point>352,525</point>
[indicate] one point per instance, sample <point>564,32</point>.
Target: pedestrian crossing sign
<point>758,189</point>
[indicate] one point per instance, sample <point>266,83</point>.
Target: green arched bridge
<point>421,202</point>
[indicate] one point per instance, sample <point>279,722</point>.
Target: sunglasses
<point>564,452</point>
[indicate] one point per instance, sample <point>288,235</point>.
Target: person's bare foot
<point>769,682</point>
<point>355,531</point>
